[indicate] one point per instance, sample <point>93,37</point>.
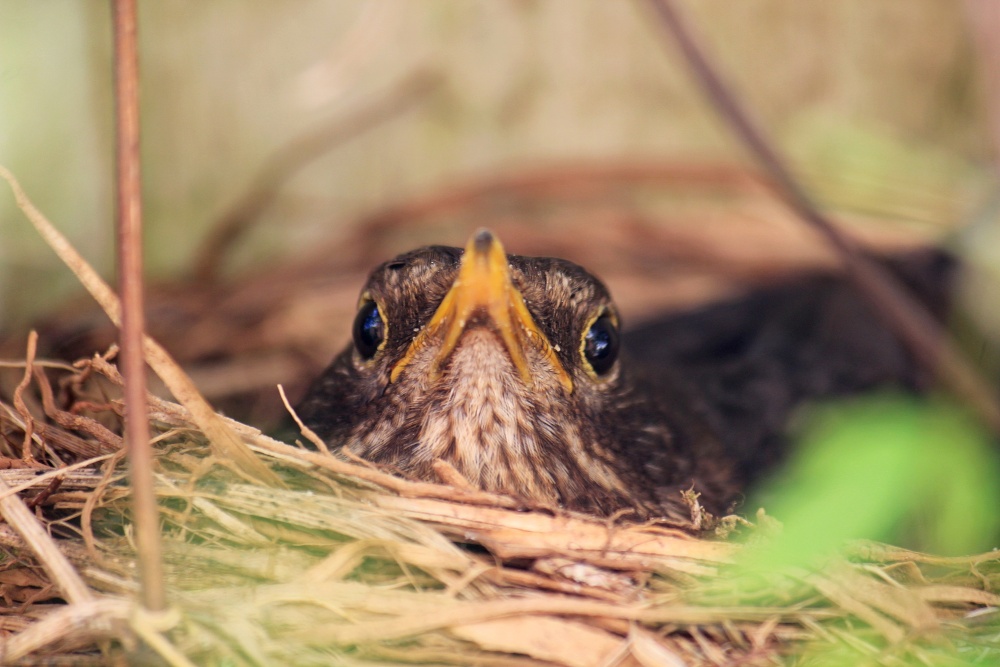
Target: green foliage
<point>908,471</point>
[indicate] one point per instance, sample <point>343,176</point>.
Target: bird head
<point>504,366</point>
<point>508,369</point>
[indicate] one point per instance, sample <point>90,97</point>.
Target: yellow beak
<point>484,285</point>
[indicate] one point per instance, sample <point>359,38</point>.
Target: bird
<point>513,371</point>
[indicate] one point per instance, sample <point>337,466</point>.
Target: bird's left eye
<point>369,330</point>
<point>600,344</point>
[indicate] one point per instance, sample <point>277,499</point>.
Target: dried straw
<point>345,562</point>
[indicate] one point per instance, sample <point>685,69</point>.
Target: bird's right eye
<point>600,344</point>
<point>369,330</point>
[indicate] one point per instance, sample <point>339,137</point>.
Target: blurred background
<point>290,146</point>
<point>879,103</point>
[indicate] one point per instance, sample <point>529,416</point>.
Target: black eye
<point>600,344</point>
<point>369,330</point>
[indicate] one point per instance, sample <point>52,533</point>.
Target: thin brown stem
<point>901,312</point>
<point>22,408</point>
<point>130,285</point>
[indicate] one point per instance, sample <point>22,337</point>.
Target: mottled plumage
<point>603,446</point>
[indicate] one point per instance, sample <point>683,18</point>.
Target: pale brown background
<point>877,101</point>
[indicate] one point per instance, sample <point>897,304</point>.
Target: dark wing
<point>747,363</point>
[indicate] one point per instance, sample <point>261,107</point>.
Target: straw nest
<point>277,554</point>
<point>313,559</point>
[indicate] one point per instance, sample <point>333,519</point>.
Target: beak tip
<point>482,241</point>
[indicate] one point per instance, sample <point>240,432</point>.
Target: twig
<point>149,628</point>
<point>309,434</point>
<point>42,496</point>
<point>94,616</point>
<point>225,444</point>
<point>107,440</point>
<point>473,612</point>
<point>839,595</point>
<point>290,159</point>
<point>147,521</point>
<point>17,418</point>
<point>22,408</point>
<point>14,512</point>
<point>51,475</point>
<point>90,504</point>
<point>537,534</point>
<point>904,315</point>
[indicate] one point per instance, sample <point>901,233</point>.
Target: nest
<point>278,554</point>
<point>333,561</point>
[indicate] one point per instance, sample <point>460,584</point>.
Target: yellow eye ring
<point>370,329</point>
<point>600,343</point>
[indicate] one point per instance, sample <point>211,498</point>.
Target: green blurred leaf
<point>897,469</point>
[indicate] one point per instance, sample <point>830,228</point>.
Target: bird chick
<point>509,369</point>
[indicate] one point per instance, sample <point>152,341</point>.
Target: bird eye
<point>369,330</point>
<point>600,344</point>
